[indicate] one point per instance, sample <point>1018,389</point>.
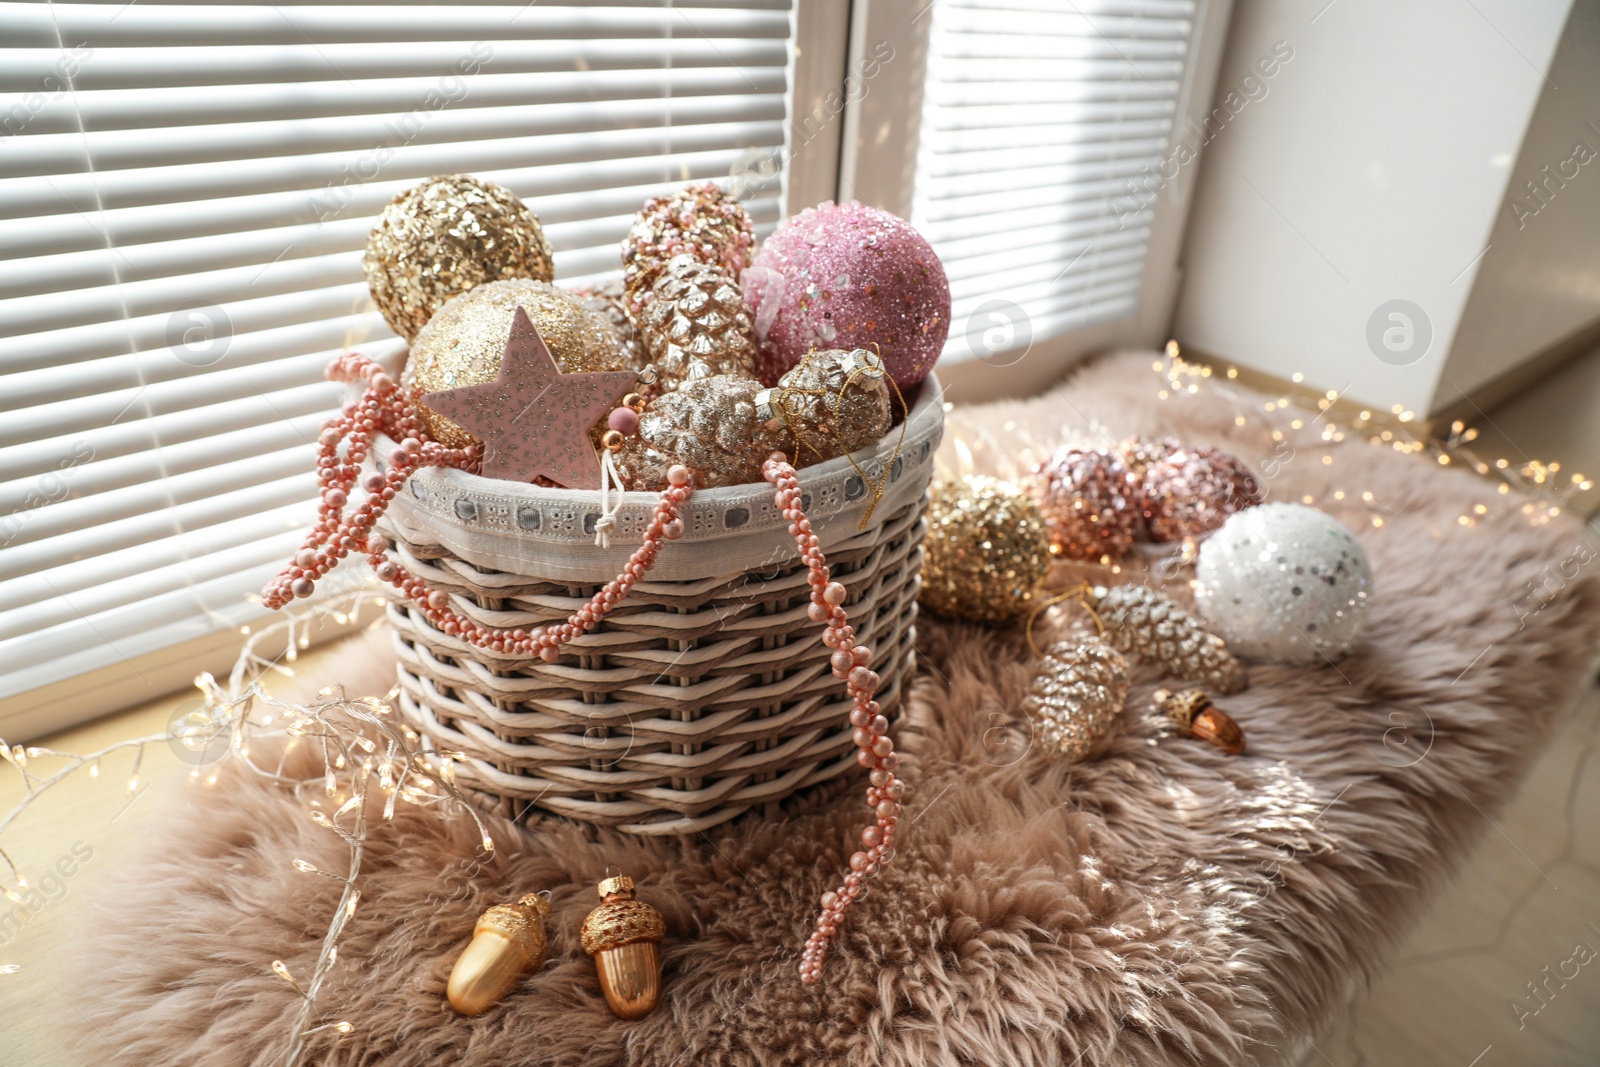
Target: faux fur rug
<point>1160,904</point>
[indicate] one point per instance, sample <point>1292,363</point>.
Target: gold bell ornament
<point>508,944</point>
<point>1192,712</point>
<point>624,937</point>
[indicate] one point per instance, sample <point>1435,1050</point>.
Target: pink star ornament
<point>532,419</point>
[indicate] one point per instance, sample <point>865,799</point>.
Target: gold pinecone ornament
<point>723,427</point>
<point>1154,630</point>
<point>624,937</point>
<point>709,425</point>
<point>1081,688</point>
<point>508,943</point>
<point>697,325</point>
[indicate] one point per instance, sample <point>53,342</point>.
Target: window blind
<point>1045,141</point>
<point>185,192</point>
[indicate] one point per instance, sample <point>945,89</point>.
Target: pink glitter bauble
<point>1193,491</point>
<point>1089,506</point>
<point>848,276</point>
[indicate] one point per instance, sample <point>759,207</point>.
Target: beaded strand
<point>874,749</point>
<point>384,409</point>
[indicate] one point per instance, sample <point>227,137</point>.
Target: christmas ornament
<point>1192,491</point>
<point>709,425</point>
<point>1154,630</point>
<point>698,220</point>
<point>723,427</point>
<point>624,937</point>
<point>346,441</point>
<point>443,237</point>
<point>508,944</point>
<point>833,403</point>
<point>1192,712</point>
<point>848,276</point>
<point>1284,583</point>
<point>1137,454</point>
<point>986,551</point>
<point>463,343</point>
<point>697,325</point>
<point>609,303</point>
<point>1080,689</point>
<point>1087,502</point>
<point>533,420</point>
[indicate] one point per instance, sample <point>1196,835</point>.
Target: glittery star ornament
<point>533,420</point>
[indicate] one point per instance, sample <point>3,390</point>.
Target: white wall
<point>1372,170</point>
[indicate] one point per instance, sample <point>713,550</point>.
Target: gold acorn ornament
<point>1154,630</point>
<point>624,937</point>
<point>1192,712</point>
<point>508,944</point>
<point>1079,691</point>
<point>697,324</point>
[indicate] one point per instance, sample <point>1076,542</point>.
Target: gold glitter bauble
<point>986,551</point>
<point>609,301</point>
<point>833,402</point>
<point>464,342</point>
<point>1081,688</point>
<point>1156,631</point>
<point>443,237</point>
<point>697,325</point>
<point>698,220</point>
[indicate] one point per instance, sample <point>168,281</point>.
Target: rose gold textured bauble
<point>1138,453</point>
<point>1193,491</point>
<point>1087,503</point>
<point>463,343</point>
<point>697,325</point>
<point>698,220</point>
<point>1075,699</point>
<point>986,551</point>
<point>443,237</point>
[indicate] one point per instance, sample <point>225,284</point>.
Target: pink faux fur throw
<point>1161,903</point>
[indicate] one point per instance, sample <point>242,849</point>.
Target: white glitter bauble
<point>1284,583</point>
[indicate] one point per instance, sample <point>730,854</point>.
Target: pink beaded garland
<point>848,276</point>
<point>874,750</point>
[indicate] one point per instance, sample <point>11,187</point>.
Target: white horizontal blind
<point>185,190</point>
<point>1044,129</point>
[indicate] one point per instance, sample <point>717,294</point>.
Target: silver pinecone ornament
<point>1081,688</point>
<point>1154,630</point>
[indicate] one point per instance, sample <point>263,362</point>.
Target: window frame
<point>878,166</point>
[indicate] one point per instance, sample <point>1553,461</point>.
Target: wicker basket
<point>707,692</point>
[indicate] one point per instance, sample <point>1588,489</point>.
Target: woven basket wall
<point>704,694</point>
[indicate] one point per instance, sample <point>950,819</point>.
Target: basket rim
<point>523,528</point>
